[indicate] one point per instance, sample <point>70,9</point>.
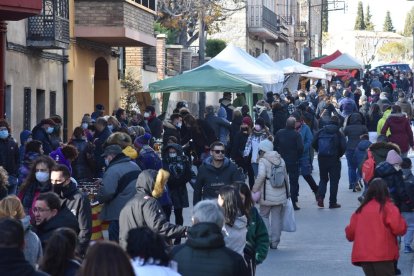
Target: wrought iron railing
<point>150,4</point>
<point>261,17</point>
<point>50,29</point>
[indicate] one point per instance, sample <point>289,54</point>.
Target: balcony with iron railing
<point>50,29</point>
<point>265,24</point>
<point>116,22</point>
<point>301,32</point>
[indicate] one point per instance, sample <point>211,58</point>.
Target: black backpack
<point>327,144</point>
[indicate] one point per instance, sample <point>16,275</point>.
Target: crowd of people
<point>234,158</point>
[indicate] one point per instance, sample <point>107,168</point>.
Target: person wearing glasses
<point>215,172</point>
<point>50,214</point>
<point>76,201</point>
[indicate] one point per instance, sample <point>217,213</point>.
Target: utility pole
<point>201,59</point>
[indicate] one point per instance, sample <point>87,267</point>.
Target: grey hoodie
<point>32,245</point>
<point>235,236</point>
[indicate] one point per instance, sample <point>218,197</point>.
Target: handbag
<point>288,219</point>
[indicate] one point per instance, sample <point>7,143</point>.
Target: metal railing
<point>50,29</point>
<point>261,17</point>
<point>150,4</point>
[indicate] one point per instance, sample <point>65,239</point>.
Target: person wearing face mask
<point>42,132</point>
<point>38,181</point>
<point>179,167</point>
<point>238,145</point>
<point>9,155</point>
<point>251,150</point>
<point>55,136</point>
<point>117,187</point>
<point>172,128</point>
<point>153,122</point>
<point>101,135</point>
<point>83,165</point>
<point>76,201</point>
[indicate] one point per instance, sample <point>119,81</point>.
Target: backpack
<point>327,144</point>
<point>368,168</point>
<point>277,176</point>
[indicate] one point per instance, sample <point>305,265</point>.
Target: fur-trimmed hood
<point>168,124</point>
<point>387,146</point>
<point>152,183</point>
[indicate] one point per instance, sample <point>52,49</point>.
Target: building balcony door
<point>101,84</point>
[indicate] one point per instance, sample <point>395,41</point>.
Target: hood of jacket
<point>58,156</point>
<point>385,146</point>
<point>205,235</point>
<point>177,148</point>
<point>168,124</point>
<point>152,183</point>
<point>222,113</point>
<point>385,169</point>
<point>386,114</point>
<point>208,162</point>
<point>24,135</point>
<point>355,119</point>
<point>130,152</point>
<point>331,128</point>
<point>240,223</point>
<point>120,158</point>
<point>364,145</point>
<point>397,118</point>
<point>273,157</point>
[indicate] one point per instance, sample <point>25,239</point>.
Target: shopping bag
<point>289,223</point>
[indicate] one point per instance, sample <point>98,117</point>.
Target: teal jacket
<point>257,236</point>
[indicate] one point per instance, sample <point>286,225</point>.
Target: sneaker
<point>273,246</point>
<point>408,249</point>
<point>334,205</point>
<point>320,203</point>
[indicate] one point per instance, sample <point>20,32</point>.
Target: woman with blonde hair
<point>12,207</point>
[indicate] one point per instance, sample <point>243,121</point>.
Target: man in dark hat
<point>99,112</point>
<point>42,132</point>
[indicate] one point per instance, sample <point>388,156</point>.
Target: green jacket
<point>257,236</point>
<point>381,122</point>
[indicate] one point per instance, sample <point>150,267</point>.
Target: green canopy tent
<point>207,79</point>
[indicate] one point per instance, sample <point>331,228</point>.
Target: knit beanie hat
<point>393,158</point>
<point>142,140</point>
<point>247,121</point>
<point>266,145</point>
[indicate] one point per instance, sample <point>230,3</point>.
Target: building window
<point>150,4</point>
<point>27,108</point>
<point>40,105</point>
<point>52,103</point>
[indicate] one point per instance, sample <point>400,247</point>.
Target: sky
<point>341,21</point>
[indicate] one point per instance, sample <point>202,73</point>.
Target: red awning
<point>324,60</point>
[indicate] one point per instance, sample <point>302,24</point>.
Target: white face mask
<point>257,127</point>
<point>42,176</point>
<point>179,125</point>
<point>372,93</point>
<point>84,125</point>
<point>146,115</point>
<point>173,154</point>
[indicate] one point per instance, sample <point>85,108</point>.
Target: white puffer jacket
<point>270,196</point>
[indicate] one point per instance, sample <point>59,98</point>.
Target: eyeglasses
<point>39,210</point>
<point>219,151</point>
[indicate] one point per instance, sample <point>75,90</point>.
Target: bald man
<point>289,144</point>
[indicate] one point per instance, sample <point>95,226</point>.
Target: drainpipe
<point>3,39</point>
<point>65,94</point>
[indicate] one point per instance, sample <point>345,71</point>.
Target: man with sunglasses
<point>77,202</point>
<point>215,172</point>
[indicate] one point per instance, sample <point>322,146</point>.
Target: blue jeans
<point>330,170</point>
<point>352,167</point>
<point>293,172</point>
<point>409,218</point>
<point>113,230</point>
<point>13,184</point>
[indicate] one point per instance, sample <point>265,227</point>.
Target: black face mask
<point>57,189</point>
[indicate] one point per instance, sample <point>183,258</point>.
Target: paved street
<point>319,246</point>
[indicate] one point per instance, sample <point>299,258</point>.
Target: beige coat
<point>272,196</point>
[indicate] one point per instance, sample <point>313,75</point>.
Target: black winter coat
<point>155,126</point>
<point>81,166</point>
<point>279,120</point>
<point>354,130</point>
<point>395,183</point>
<point>341,142</point>
<point>9,156</point>
<point>409,188</point>
<point>78,203</point>
<point>99,140</point>
<point>40,134</point>
<point>210,179</point>
<point>180,173</point>
<point>145,210</point>
<point>13,263</point>
<point>289,144</point>
<point>237,148</point>
<point>205,137</point>
<point>170,130</point>
<point>205,253</point>
<point>64,218</point>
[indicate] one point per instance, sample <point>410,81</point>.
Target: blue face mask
<point>111,127</point>
<point>106,162</point>
<point>4,134</point>
<point>50,130</point>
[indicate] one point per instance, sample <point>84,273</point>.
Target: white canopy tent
<point>344,62</point>
<point>319,73</point>
<point>236,61</point>
<point>290,66</point>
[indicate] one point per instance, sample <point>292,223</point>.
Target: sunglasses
<point>219,151</point>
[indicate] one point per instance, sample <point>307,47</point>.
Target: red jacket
<point>401,133</point>
<point>374,233</point>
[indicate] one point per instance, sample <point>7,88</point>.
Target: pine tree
<point>369,26</point>
<point>359,22</point>
<point>388,27</point>
<point>409,23</point>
